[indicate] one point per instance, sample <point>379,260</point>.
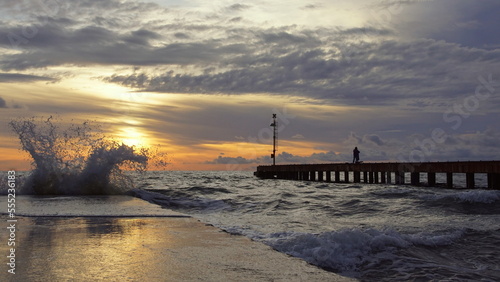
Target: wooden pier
<point>390,173</point>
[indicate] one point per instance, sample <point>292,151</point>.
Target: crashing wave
<point>77,160</point>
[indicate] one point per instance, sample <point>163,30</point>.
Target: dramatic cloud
<point>205,77</point>
<point>458,21</point>
<point>230,160</point>
<point>377,73</point>
<point>93,45</point>
<point>359,65</point>
<point>479,146</point>
<point>283,157</point>
<point>17,77</point>
<point>3,104</point>
<point>238,7</point>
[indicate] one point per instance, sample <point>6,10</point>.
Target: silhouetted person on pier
<point>355,154</point>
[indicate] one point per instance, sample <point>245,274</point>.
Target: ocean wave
<point>77,160</point>
<point>372,234</point>
<point>435,239</point>
<point>471,197</point>
<point>395,192</point>
<point>347,251</point>
<point>208,190</point>
<point>184,203</point>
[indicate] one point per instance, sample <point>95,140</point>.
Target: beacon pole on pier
<point>275,125</point>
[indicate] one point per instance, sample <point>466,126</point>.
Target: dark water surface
<point>369,232</point>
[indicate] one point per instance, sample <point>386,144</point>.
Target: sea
<point>370,232</point>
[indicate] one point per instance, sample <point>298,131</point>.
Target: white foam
<point>75,161</point>
<point>345,251</point>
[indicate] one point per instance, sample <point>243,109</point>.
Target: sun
<point>132,136</point>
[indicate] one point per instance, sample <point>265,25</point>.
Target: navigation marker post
<point>275,125</point>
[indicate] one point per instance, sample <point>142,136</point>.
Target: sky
<point>403,80</point>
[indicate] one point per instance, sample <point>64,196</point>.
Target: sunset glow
<point>202,79</point>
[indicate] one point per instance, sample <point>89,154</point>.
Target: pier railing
<point>384,172</point>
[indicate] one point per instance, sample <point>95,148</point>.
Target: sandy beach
<point>143,247</point>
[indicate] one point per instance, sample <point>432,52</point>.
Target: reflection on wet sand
<point>145,249</point>
<point>101,247</point>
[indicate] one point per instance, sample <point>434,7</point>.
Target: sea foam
<point>76,160</point>
<point>346,251</point>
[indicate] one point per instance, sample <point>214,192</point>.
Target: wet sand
<point>140,248</point>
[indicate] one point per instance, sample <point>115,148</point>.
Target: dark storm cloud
<point>3,104</point>
<point>55,45</point>
<point>312,6</point>
<point>283,157</point>
<point>210,121</point>
<point>480,145</point>
<point>230,160</point>
<point>141,37</point>
<point>378,73</point>
<point>286,39</point>
<point>375,139</point>
<point>181,35</point>
<point>17,77</point>
<point>356,65</point>
<point>468,23</point>
<point>322,157</point>
<point>238,7</point>
<point>483,145</point>
<point>58,20</point>
<point>360,65</point>
<point>51,33</point>
<point>368,31</point>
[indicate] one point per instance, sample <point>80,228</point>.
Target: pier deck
<point>384,172</point>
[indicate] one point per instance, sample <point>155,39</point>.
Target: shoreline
<point>52,248</point>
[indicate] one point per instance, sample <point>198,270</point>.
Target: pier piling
<point>375,173</point>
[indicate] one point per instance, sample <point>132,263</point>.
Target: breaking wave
<point>76,159</point>
<point>348,251</point>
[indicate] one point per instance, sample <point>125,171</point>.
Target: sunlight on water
<point>122,250</point>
